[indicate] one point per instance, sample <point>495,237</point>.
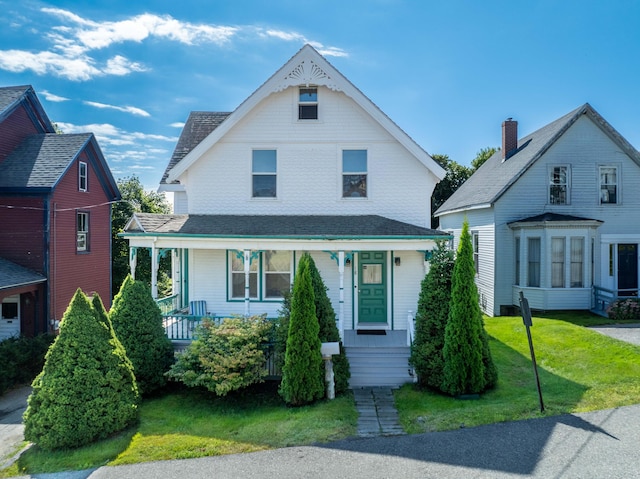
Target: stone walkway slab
<point>378,415</point>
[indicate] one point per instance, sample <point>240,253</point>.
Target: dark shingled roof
<point>197,128</point>
<point>9,95</point>
<point>40,160</point>
<point>497,175</point>
<point>277,226</point>
<point>552,217</point>
<point>13,275</point>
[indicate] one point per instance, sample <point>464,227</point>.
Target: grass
<point>188,423</point>
<point>580,370</point>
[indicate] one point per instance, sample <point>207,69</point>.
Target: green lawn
<point>580,370</point>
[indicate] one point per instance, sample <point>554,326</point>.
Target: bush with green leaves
<point>137,321</point>
<point>431,318</point>
<point>468,365</point>
<point>303,370</point>
<point>22,359</point>
<point>624,309</point>
<point>86,390</point>
<point>225,357</point>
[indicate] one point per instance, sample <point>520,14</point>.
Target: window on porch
<point>236,260</point>
<point>269,275</point>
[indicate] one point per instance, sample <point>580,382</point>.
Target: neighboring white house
<point>307,163</point>
<point>555,215</point>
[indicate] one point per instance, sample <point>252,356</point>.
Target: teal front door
<point>372,287</point>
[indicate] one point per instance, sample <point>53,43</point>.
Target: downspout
<point>45,265</point>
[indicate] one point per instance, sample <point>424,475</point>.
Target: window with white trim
<point>608,185</point>
<point>354,173</point>
<point>236,261</point>
<point>264,172</point>
<point>277,273</point>
<point>475,241</point>
<point>577,263</point>
<point>533,264</point>
<point>82,231</point>
<point>82,176</point>
<point>557,262</point>
<point>308,103</point>
<point>559,185</point>
<point>269,275</point>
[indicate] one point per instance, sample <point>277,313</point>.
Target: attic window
<point>308,104</point>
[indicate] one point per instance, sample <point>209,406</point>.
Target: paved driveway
<point>624,332</point>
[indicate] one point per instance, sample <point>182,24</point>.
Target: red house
<point>56,192</point>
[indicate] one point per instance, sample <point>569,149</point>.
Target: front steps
<point>379,366</point>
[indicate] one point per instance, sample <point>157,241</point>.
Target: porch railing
<point>603,297</point>
<point>411,328</point>
<point>169,304</point>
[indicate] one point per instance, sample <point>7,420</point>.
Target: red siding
<point>70,269</point>
<point>21,231</point>
<point>15,128</point>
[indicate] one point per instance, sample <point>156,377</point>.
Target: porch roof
<point>554,219</point>
<point>13,275</point>
<point>277,226</point>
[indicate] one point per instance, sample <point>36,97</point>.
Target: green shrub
<point>225,357</point>
<point>137,321</point>
<point>431,318</point>
<point>624,309</point>
<point>86,390</point>
<point>303,371</point>
<point>22,359</point>
<point>468,366</point>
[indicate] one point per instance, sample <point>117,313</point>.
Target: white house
<point>554,215</point>
<point>307,163</point>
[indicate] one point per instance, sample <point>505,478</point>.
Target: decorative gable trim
<point>307,73</point>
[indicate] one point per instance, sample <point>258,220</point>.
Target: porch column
<point>247,270</point>
<point>133,260</point>
<point>176,282</point>
<point>154,271</point>
<point>341,311</point>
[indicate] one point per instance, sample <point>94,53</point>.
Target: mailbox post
<point>328,350</point>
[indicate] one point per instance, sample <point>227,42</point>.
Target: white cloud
<point>126,109</point>
<point>110,135</point>
<point>177,124</point>
<point>79,68</point>
<point>53,98</point>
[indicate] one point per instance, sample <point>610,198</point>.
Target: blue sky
<point>447,72</point>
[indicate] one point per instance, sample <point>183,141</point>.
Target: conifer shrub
<point>468,365</point>
<point>303,371</point>
<point>431,318</point>
<point>22,359</point>
<point>86,390</point>
<point>225,357</point>
<point>137,321</point>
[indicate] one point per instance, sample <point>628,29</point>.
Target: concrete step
<point>379,367</point>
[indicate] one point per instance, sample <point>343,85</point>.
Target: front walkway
<point>12,406</point>
<point>377,414</point>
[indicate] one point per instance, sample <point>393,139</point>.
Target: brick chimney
<point>509,137</point>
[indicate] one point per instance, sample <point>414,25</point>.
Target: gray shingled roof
<point>40,160</point>
<point>197,128</point>
<point>277,226</point>
<point>496,175</point>
<point>13,275</point>
<point>9,95</point>
<point>553,217</point>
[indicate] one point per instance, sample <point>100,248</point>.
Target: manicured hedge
<point>22,359</point>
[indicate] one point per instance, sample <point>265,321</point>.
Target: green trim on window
<point>392,265</point>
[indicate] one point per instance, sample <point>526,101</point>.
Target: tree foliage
<point>225,357</point>
<point>86,390</point>
<point>468,366</point>
<point>456,175</point>
<point>137,321</point>
<point>135,200</point>
<point>303,371</point>
<point>431,318</point>
<point>483,155</point>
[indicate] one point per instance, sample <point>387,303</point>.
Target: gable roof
<point>497,175</point>
<point>12,96</point>
<point>197,128</point>
<point>304,68</point>
<point>278,226</point>
<point>40,161</point>
<point>13,275</point>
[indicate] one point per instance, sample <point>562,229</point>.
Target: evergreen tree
<point>468,366</point>
<point>137,321</point>
<point>431,318</point>
<point>86,390</point>
<point>303,371</point>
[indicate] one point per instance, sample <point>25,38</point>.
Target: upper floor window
<point>608,185</point>
<point>82,231</point>
<point>82,176</point>
<point>354,173</point>
<point>559,185</point>
<point>264,173</point>
<point>308,104</point>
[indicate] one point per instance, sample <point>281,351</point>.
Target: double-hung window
<point>533,266</point>
<point>236,260</point>
<point>277,273</point>
<point>269,275</point>
<point>577,263</point>
<point>608,185</point>
<point>82,231</point>
<point>354,173</point>
<point>308,104</point>
<point>559,185</point>
<point>557,262</point>
<point>475,240</point>
<point>264,172</point>
<point>82,176</point>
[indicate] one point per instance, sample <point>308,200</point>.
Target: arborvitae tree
<point>328,329</point>
<point>468,366</point>
<point>137,321</point>
<point>86,390</point>
<point>303,371</point>
<point>431,318</point>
